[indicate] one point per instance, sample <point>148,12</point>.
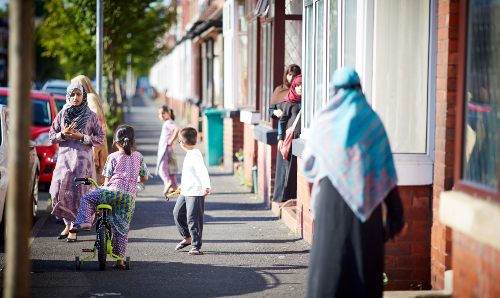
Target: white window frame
<point>305,130</point>
<point>412,169</point>
<point>230,34</point>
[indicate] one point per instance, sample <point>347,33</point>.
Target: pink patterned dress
<point>164,167</point>
<point>75,159</point>
<point>122,171</point>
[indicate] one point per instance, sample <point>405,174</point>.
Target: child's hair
<point>295,70</point>
<point>189,135</point>
<point>167,109</point>
<point>125,138</point>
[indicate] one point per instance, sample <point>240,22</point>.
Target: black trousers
<point>188,217</point>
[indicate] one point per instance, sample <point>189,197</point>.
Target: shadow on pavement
<point>170,279</point>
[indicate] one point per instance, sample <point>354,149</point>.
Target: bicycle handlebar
<point>86,181</point>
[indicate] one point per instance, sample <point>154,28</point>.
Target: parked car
<point>4,174</point>
<point>44,112</point>
<point>60,101</point>
<point>55,87</point>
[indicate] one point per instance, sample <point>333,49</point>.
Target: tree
<point>132,27</point>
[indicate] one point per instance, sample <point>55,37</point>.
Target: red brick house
<point>429,68</point>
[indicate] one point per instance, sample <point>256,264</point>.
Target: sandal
<point>195,252</point>
<point>182,244</point>
<point>120,266</point>
<point>80,227</point>
<point>72,239</point>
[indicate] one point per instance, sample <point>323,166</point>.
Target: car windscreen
<point>56,90</point>
<point>41,113</point>
<point>60,104</point>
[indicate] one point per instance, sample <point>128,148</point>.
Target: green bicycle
<point>102,246</point>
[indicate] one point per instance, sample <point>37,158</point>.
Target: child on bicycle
<point>166,166</point>
<point>123,170</point>
<point>195,185</point>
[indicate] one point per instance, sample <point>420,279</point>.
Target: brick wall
<point>304,216</point>
<point>475,268</point>
<point>266,163</point>
<point>250,153</point>
<point>407,260</point>
<point>446,71</point>
<point>233,140</point>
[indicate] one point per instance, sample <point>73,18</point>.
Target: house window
<point>479,98</point>
<point>293,42</point>
<point>350,32</point>
<point>253,43</point>
<point>400,72</point>
<point>242,54</point>
<point>317,48</point>
<point>266,70</point>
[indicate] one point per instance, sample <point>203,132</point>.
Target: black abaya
<point>347,257</point>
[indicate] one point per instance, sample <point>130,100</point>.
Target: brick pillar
<point>407,259</point>
<point>266,167</point>
<point>446,72</point>
<point>250,153</point>
<point>233,140</point>
<point>304,216</point>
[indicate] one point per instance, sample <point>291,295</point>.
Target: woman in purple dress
<point>76,129</point>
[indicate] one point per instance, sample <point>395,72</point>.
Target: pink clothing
<point>123,171</point>
<point>165,152</point>
<point>74,160</point>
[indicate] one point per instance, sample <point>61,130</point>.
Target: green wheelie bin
<point>215,136</point>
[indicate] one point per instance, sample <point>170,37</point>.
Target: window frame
<point>460,184</point>
<point>412,169</point>
<point>309,108</point>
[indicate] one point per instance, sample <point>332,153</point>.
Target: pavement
<point>248,251</point>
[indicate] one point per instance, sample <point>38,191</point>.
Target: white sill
<point>414,169</point>
<point>476,218</point>
<point>249,117</point>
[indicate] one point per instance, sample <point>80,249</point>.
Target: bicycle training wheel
<point>101,246</point>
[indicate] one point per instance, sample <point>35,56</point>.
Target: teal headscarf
<point>349,145</point>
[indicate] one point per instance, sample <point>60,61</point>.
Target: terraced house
<point>429,68</point>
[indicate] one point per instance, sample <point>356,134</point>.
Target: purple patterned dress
<point>122,171</point>
<point>75,159</point>
<point>165,153</point>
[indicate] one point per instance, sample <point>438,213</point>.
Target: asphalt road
<point>248,252</point>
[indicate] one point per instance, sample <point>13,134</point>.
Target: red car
<point>60,101</point>
<point>44,112</point>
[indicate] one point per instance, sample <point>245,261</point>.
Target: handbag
<point>287,142</point>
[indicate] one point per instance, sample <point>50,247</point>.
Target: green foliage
<point>130,27</point>
<point>113,120</point>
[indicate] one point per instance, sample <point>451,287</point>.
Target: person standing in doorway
<point>348,159</point>
<point>76,129</point>
<point>286,168</point>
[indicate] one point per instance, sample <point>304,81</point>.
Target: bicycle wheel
<point>101,246</point>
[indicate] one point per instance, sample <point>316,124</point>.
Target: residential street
<point>248,252</point>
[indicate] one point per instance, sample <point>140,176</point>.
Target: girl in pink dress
<point>166,166</point>
<point>123,170</point>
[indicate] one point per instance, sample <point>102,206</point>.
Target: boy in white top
<point>195,185</point>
